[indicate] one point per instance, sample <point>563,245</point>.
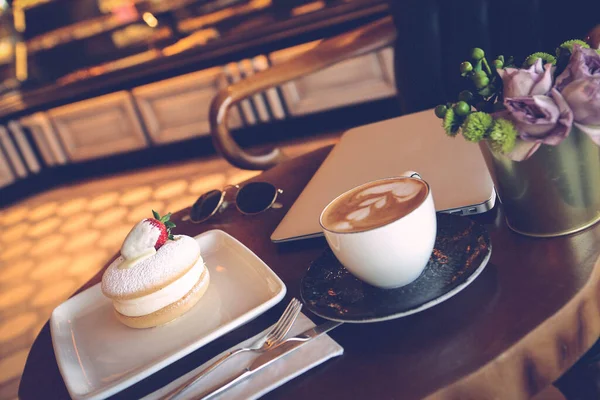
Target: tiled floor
<point>54,242</point>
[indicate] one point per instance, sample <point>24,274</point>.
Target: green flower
<point>546,58</point>
<point>451,122</point>
<point>476,126</point>
<point>503,136</point>
<point>568,46</point>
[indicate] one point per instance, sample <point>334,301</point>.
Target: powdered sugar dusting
<point>171,261</point>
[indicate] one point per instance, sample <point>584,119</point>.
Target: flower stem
<point>493,99</point>
<point>487,66</point>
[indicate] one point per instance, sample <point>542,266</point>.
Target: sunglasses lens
<point>255,197</point>
<point>205,205</point>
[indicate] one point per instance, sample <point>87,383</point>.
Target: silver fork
<point>273,338</point>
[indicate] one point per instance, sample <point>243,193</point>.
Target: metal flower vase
<point>553,193</point>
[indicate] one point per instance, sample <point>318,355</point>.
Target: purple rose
<point>540,118</point>
<point>584,63</point>
<point>583,96</point>
<point>527,82</point>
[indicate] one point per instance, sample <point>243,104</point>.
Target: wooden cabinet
<point>6,173</point>
<point>11,154</point>
<point>177,108</point>
<point>45,138</point>
<point>358,80</point>
<point>17,156</point>
<point>259,64</point>
<point>25,149</point>
<point>99,127</point>
<point>262,107</point>
<point>234,74</point>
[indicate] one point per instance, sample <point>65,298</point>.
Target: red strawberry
<point>164,225</point>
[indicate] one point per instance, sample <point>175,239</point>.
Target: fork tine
<point>284,328</point>
<point>283,317</point>
<point>284,320</point>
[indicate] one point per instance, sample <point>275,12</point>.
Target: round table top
<point>524,321</point>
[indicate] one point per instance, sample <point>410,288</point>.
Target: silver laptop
<point>454,168</point>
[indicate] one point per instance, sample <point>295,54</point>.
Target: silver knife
<point>285,348</point>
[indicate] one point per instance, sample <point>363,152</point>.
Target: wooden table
<point>532,313</point>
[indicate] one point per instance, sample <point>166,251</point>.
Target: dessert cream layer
<point>161,298</point>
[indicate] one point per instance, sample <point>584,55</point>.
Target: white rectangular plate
<point>98,356</point>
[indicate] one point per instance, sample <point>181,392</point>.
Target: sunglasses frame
<point>222,200</point>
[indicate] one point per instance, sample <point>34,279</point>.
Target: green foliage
<point>510,62</point>
<point>487,91</point>
<point>477,54</point>
<point>466,67</point>
<point>483,106</point>
<point>476,126</point>
<point>481,81</point>
<point>466,96</point>
<point>484,93</point>
<point>165,219</point>
<point>546,58</point>
<point>440,111</point>
<point>568,46</point>
<point>503,135</point>
<point>451,123</point>
<point>462,108</point>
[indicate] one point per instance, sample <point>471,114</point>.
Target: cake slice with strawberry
<point>158,276</point>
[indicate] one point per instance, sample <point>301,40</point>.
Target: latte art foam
<point>374,205</point>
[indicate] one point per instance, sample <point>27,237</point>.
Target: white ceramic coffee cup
<point>391,255</point>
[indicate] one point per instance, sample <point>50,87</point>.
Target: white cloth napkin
<point>281,371</point>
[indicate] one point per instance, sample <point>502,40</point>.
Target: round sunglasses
<point>250,198</point>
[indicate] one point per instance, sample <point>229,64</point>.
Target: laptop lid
<point>453,167</point>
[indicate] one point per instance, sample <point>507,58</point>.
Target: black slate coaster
<point>462,250</point>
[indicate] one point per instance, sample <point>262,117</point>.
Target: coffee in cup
<point>374,204</point>
<point>383,232</point>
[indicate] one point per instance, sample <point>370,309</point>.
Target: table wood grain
<point>529,317</point>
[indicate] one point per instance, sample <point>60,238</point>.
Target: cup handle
<point>412,174</point>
